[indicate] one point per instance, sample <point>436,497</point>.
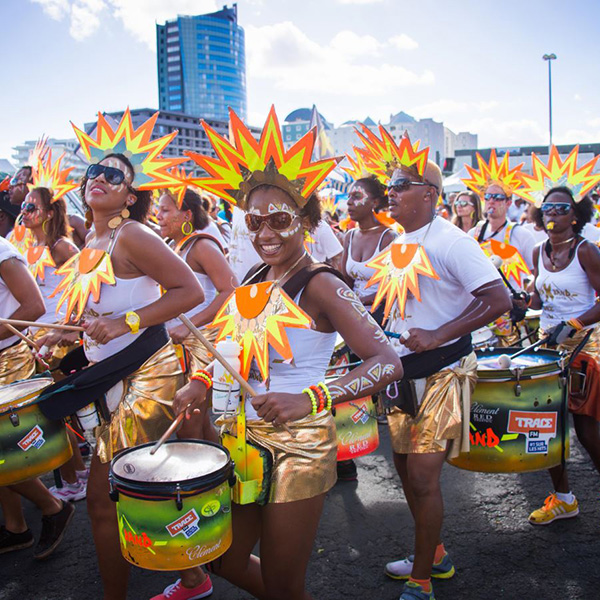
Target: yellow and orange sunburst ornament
<point>21,238</point>
<point>357,169</point>
<point>513,264</point>
<point>182,182</point>
<point>38,258</point>
<point>256,317</point>
<point>494,172</point>
<point>381,156</point>
<point>52,177</point>
<point>5,184</point>
<point>83,276</point>
<point>397,271</point>
<point>558,173</point>
<point>145,154</point>
<point>243,163</point>
<point>39,152</point>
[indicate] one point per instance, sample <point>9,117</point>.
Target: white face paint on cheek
<point>290,232</point>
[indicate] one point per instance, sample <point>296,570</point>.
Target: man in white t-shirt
<point>324,246</point>
<point>463,293</point>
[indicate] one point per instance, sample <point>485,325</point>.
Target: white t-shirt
<point>325,245</point>
<point>589,232</point>
<point>8,303</point>
<point>462,267</point>
<point>539,235</point>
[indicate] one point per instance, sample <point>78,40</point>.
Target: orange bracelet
<point>203,376</point>
<point>320,395</point>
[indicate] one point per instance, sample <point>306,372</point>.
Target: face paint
<point>358,196</point>
<point>550,225</point>
<point>290,232</point>
<point>279,207</point>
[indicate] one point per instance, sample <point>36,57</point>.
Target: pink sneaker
<point>70,492</point>
<point>176,591</point>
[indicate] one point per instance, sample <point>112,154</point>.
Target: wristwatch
<point>133,321</point>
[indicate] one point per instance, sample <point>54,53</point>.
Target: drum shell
<point>148,527</point>
<point>357,432</point>
<point>44,443</point>
<point>509,432</point>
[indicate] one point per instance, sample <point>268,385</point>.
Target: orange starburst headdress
<point>181,182</point>
<point>397,271</point>
<point>382,156</point>
<point>243,163</point>
<point>256,316</point>
<point>38,258</point>
<point>558,173</point>
<point>39,152</point>
<point>145,154</point>
<point>5,184</point>
<point>494,173</point>
<point>51,176</point>
<point>357,170</point>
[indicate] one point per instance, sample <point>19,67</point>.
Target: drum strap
<point>424,364</point>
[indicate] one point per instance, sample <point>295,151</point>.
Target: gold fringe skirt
<point>16,363</point>
<point>304,466</point>
<point>443,414</point>
<point>145,410</point>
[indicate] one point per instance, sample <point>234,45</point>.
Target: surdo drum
<point>30,443</point>
<point>173,507</point>
<point>518,415</point>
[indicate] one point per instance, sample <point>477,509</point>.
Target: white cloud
<point>84,18</point>
<point>286,56</point>
<point>358,1</point>
<point>55,9</point>
<point>577,97</point>
<point>403,42</point>
<point>445,108</point>
<point>494,131</point>
<point>349,42</point>
<point>594,123</point>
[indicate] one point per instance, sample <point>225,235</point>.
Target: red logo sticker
<point>34,439</point>
<point>525,422</point>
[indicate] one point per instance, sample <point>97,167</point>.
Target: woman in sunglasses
<point>467,211</point>
<point>567,282</point>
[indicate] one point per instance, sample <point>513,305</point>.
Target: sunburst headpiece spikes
<point>494,172</point>
<point>243,163</point>
<point>145,154</point>
<point>51,176</point>
<point>5,184</point>
<point>181,182</point>
<point>558,173</point>
<point>358,169</point>
<point>382,156</point>
<point>39,152</point>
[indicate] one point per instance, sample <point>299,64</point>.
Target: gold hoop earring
<point>183,228</point>
<point>44,229</point>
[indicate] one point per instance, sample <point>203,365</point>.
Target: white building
<point>58,146</point>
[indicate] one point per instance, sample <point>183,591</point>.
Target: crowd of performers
<point>270,272</point>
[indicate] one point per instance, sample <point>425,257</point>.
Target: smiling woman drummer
<point>276,191</point>
<point>113,289</point>
<point>567,282</point>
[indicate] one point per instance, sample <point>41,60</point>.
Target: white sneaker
<point>83,475</point>
<point>70,492</point>
<point>400,569</point>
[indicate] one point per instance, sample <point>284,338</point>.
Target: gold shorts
<point>16,363</point>
<point>304,466</point>
<point>200,357</point>
<point>145,411</point>
<point>443,414</point>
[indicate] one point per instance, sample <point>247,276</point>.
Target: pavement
<point>497,553</point>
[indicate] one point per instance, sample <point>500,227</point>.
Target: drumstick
<point>167,434</point>
<point>20,334</point>
<point>41,325</point>
<point>243,383</point>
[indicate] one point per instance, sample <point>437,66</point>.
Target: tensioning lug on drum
<point>178,501</point>
<point>517,388</point>
<point>113,493</point>
<point>14,419</point>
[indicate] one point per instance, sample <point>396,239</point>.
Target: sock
<point>424,583</point>
<point>440,552</point>
<point>569,498</point>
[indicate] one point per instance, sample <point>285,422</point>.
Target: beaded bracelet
<point>325,389</point>
<point>320,395</point>
<point>313,400</point>
<point>204,377</point>
<point>575,324</point>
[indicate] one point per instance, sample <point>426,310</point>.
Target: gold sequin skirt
<point>443,414</point>
<point>198,353</point>
<point>145,410</point>
<point>16,363</point>
<point>304,466</point>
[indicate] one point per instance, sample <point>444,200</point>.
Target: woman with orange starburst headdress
<point>567,283</point>
<point>113,288</point>
<point>285,318</point>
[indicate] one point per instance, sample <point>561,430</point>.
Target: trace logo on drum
<point>361,414</point>
<point>34,439</point>
<point>538,427</point>
<point>186,524</point>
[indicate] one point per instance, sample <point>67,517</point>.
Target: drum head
<point>22,393</point>
<point>175,461</point>
<point>532,363</point>
<point>480,336</point>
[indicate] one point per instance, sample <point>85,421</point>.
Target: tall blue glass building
<point>202,65</point>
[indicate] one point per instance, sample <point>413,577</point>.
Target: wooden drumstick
<point>21,335</point>
<point>41,325</point>
<point>167,434</point>
<point>243,383</point>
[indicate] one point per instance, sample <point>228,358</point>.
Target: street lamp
<point>549,58</point>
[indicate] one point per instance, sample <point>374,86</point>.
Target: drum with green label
<point>30,443</point>
<point>356,428</point>
<point>518,415</point>
<point>173,507</point>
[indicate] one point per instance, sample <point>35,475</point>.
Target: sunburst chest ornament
<point>38,258</point>
<point>513,264</point>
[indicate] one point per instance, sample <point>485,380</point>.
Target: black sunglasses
<point>111,174</point>
<point>402,184</point>
<point>277,221</point>
<point>495,197</point>
<point>558,208</point>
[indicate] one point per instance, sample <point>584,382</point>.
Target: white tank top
<point>565,294</point>
<point>359,271</point>
<point>116,300</point>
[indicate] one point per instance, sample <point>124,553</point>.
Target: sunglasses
<point>557,208</point>
<point>402,184</point>
<point>277,221</point>
<point>495,197</point>
<point>113,176</point>
<point>463,203</point>
<point>15,182</point>
<point>29,207</point>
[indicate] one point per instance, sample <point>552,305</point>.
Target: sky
<point>476,65</point>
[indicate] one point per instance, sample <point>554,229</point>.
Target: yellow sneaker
<point>554,509</point>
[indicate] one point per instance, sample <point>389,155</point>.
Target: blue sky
<point>475,64</point>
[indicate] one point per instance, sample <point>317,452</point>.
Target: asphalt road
<point>498,554</point>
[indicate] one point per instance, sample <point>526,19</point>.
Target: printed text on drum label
<point>34,439</point>
<point>538,428</point>
<point>186,524</point>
